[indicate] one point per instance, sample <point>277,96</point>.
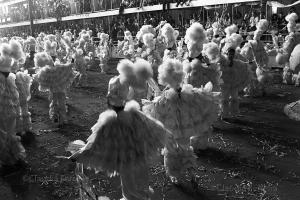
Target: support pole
<point>30,8</point>
<point>232,13</point>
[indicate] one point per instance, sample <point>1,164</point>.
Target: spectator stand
<point>76,16</point>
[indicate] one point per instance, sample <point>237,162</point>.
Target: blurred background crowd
<point>48,8</point>
<point>115,26</point>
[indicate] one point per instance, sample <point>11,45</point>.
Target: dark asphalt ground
<point>255,156</point>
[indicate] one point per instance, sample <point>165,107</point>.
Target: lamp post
<point>263,4</point>
<point>30,8</point>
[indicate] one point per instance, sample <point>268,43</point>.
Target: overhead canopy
<point>218,2</point>
<point>11,2</point>
<point>212,7</point>
<point>280,5</point>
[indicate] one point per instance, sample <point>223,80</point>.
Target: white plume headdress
<point>171,73</point>
<point>291,19</point>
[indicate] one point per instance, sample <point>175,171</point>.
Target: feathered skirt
<point>23,83</point>
<point>178,160</point>
<point>55,79</point>
<point>11,149</point>
<point>237,77</point>
<point>9,96</point>
<point>189,115</point>
<point>122,137</point>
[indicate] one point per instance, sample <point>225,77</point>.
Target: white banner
<point>280,5</point>
<point>11,2</point>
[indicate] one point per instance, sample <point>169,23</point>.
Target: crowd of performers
<point>164,101</point>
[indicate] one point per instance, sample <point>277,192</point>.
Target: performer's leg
<point>61,107</point>
<point>297,82</point>
<point>177,161</point>
<point>142,181</point>
<point>263,79</point>
<point>53,112</point>
<point>80,79</point>
<point>8,124</point>
<point>26,117</point>
<point>235,103</point>
<point>34,88</point>
<point>84,78</point>
<point>12,152</point>
<point>225,103</point>
<point>253,88</point>
<point>76,80</point>
<point>172,166</point>
<point>19,124</point>
<point>286,76</point>
<point>103,66</point>
<point>201,142</point>
<point>24,125</point>
<point>134,182</point>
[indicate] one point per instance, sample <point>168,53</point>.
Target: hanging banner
<point>11,2</point>
<point>280,5</point>
<point>237,5</point>
<point>212,7</point>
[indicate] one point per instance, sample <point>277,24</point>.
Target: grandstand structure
<point>113,12</point>
<point>201,7</point>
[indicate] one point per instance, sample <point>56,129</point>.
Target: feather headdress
<point>144,30</point>
<point>233,42</point>
<point>169,34</point>
<point>16,50</point>
<point>170,73</point>
<point>291,19</point>
<point>261,27</point>
<point>125,69</point>
<point>42,59</point>
<point>230,30</point>
<point>212,51</point>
